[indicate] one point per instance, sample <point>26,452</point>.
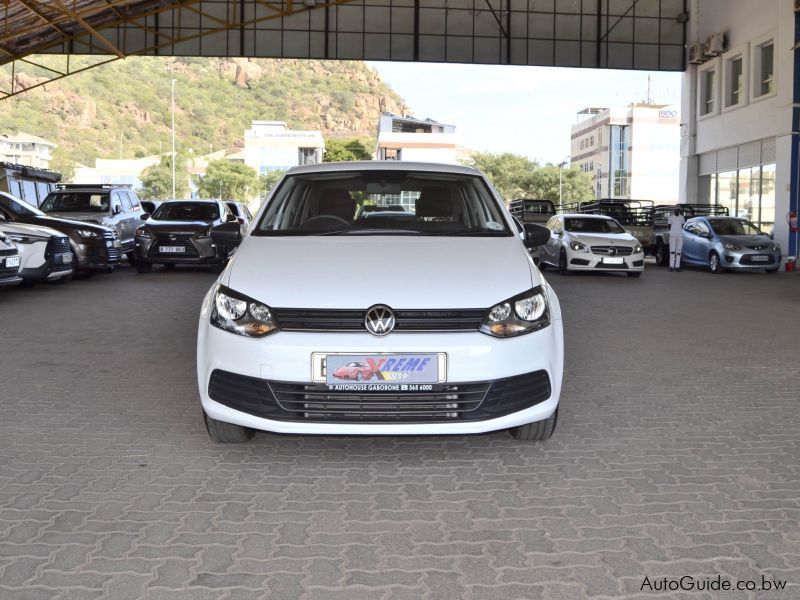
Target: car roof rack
<point>93,186</point>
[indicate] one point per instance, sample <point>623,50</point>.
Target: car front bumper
<point>101,254</point>
<point>744,260</point>
<point>196,251</point>
<point>286,358</point>
<point>587,261</point>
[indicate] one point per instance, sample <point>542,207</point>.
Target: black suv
<point>114,206</point>
<point>94,248</point>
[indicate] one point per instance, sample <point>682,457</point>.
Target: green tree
<point>516,176</point>
<point>341,150</point>
<point>157,180</point>
<point>267,181</point>
<point>229,180</point>
<point>61,163</point>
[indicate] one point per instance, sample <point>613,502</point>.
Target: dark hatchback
<point>179,232</point>
<point>95,248</point>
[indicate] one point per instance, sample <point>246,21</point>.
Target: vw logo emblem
<point>379,319</point>
<point>612,251</point>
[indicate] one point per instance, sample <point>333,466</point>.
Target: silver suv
<point>113,206</point>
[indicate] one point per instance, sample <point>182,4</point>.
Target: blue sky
<point>525,110</point>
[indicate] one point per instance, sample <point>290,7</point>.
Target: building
<point>116,171</point>
<point>632,152</point>
<point>737,147</point>
<point>26,149</point>
<point>272,146</point>
<point>422,140</point>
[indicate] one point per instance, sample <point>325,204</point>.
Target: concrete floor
<point>677,454</point>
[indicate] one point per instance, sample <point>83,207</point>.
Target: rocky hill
<point>125,106</point>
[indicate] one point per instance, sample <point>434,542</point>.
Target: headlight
<point>236,313</point>
<point>141,231</point>
<point>87,233</point>
<point>637,249</point>
<point>521,314</point>
<point>730,246</point>
<point>26,239</point>
<point>578,247</point>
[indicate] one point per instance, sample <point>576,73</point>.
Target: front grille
<point>284,401</point>
<point>747,259</point>
<point>182,240</point>
<point>612,250</point>
<point>8,251</point>
<point>757,247</point>
<point>311,319</point>
<point>602,265</point>
<point>60,245</point>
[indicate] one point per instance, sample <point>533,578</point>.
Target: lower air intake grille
<point>284,401</point>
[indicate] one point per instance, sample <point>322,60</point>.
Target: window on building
<point>766,218</point>
<point>735,81</point>
<point>591,140</point>
<point>583,144</point>
<point>766,71</point>
<point>726,190</point>
<point>708,84</point>
<point>306,156</point>
<point>390,153</point>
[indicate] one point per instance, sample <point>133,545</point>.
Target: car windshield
<point>76,202</point>
<point>734,227</point>
<point>19,207</point>
<point>579,225</point>
<point>432,204</point>
<point>187,211</point>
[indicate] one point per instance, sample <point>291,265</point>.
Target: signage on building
<point>668,113</point>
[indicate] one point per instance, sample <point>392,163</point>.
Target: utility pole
<point>560,184</point>
<point>173,138</point>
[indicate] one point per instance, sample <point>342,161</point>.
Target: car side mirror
<point>227,234</point>
<point>535,235</point>
<point>145,216</point>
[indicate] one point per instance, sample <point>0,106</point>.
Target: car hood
<point>63,224</point>
<point>404,272</point>
<point>177,226</point>
<point>92,217</point>
<point>26,228</point>
<point>604,239</point>
<point>747,240</point>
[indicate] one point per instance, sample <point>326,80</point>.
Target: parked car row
<point>85,229</point>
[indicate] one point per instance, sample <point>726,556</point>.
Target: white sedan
<point>580,242</point>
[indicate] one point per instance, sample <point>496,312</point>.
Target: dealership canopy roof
<point>617,34</point>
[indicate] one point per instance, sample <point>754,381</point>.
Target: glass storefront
<point>747,193</point>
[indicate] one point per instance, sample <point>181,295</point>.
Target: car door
<point>553,245</point>
<point>135,216</point>
<point>703,242</point>
<point>116,218</point>
<point>689,251</point>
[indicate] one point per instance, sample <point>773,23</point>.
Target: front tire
<point>563,269</point>
<point>359,376</point>
<point>536,432</point>
<point>714,264</point>
<point>143,267</point>
<point>226,433</point>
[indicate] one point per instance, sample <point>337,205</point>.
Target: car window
<point>433,204</point>
<point>734,227</point>
<point>134,201</point>
<point>187,211</point>
<point>233,208</point>
<point>699,228</point>
<point>76,202</point>
<point>126,201</point>
<point>19,208</point>
<point>592,225</point>
<point>557,226</point>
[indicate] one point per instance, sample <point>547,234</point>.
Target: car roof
<point>382,165</point>
<point>585,216</point>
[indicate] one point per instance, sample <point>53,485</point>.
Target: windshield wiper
<point>484,233</point>
<point>369,232</point>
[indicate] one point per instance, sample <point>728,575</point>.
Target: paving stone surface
<point>677,454</point>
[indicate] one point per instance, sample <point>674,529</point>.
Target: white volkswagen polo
<point>432,319</point>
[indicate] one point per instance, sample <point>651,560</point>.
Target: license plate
<point>390,372</point>
<point>66,259</point>
<point>612,260</point>
<point>757,258</point>
<point>12,261</point>
<point>171,249</point>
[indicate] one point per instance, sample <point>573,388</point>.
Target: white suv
<point>45,254</point>
<point>431,320</point>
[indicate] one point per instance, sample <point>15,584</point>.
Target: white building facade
<point>736,138</point>
<point>631,151</point>
<point>419,140</point>
<point>272,146</point>
<point>25,149</point>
